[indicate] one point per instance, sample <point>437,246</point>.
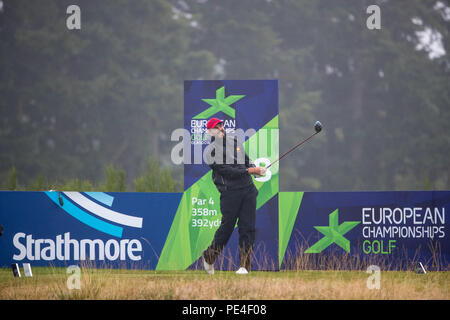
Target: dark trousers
<point>236,205</point>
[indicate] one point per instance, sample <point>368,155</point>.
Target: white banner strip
<point>103,212</point>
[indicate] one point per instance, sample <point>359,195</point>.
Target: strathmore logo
<point>87,209</point>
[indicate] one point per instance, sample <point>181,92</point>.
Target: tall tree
<point>372,89</point>
<point>74,100</point>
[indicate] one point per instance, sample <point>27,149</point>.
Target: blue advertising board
<point>394,228</point>
<point>319,229</point>
<point>249,111</point>
<point>61,229</point>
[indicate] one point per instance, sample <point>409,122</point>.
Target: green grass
<point>50,283</point>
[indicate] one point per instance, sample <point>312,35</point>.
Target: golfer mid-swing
<point>231,174</point>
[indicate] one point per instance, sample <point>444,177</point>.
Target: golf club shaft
<point>292,149</point>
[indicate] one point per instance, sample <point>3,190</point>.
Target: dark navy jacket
<point>229,162</point>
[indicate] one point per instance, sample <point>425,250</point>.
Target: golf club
<point>317,128</point>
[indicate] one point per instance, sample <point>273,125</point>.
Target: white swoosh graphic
<point>103,212</point>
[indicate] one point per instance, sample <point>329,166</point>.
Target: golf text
<point>199,132</point>
<point>399,223</point>
<point>65,248</point>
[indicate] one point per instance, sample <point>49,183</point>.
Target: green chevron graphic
<point>288,204</point>
<point>219,104</point>
<point>254,147</point>
<point>185,243</point>
<point>334,233</point>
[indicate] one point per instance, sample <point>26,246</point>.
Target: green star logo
<point>334,233</point>
<point>220,103</point>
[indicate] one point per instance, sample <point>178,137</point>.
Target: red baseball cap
<point>213,122</point>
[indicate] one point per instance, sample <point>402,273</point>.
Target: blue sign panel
<point>64,228</point>
<point>392,228</point>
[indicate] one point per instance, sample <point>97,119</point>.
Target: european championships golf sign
<point>169,231</point>
<point>249,110</point>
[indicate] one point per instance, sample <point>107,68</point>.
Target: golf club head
<point>318,126</point>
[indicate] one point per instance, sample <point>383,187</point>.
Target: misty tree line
<point>152,179</point>
<point>93,109</point>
